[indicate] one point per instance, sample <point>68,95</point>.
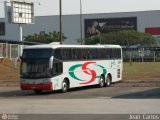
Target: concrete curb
<point>123,83</point>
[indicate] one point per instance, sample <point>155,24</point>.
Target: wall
<point>71,24</point>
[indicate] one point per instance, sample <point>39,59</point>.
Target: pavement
<point>80,106</point>
<point>118,102</point>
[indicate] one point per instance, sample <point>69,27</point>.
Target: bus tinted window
<point>58,54</point>
<point>68,54</point>
<point>37,53</point>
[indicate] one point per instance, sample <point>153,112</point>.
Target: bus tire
<point>108,80</point>
<point>101,82</point>
<point>38,91</point>
<point>65,86</point>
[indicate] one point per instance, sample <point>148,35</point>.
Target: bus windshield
<point>35,63</point>
<point>37,53</point>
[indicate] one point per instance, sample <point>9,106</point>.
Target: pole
<point>60,21</point>
<point>10,51</point>
<point>130,56</point>
<point>2,50</point>
<point>100,39</point>
<point>154,56</point>
<point>81,21</point>
<point>6,50</point>
<point>21,39</point>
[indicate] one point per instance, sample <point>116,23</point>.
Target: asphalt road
<point>81,103</point>
<point>92,92</point>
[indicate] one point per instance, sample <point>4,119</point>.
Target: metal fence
<point>139,56</point>
<point>10,51</point>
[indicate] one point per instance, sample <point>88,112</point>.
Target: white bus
<point>60,67</point>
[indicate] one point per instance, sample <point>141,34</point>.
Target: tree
<point>44,38</point>
<point>124,38</point>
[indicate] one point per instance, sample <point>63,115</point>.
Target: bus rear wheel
<point>101,81</point>
<point>108,81</point>
<point>65,86</point>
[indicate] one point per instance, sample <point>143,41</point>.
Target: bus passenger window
<point>58,54</point>
<point>57,67</point>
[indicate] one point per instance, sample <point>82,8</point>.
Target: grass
<point>136,71</point>
<point>141,71</point>
<point>7,72</point>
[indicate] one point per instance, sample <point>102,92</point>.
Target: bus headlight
<point>46,81</point>
<point>23,81</point>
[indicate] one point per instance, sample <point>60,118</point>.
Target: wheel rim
<point>108,81</point>
<point>64,86</point>
<point>101,82</point>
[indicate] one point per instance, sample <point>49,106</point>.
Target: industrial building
<point>143,21</point>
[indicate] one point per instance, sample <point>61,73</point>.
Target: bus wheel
<point>38,91</point>
<point>108,80</point>
<point>65,86</point>
<point>101,82</point>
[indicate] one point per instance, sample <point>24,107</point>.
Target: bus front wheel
<point>65,86</point>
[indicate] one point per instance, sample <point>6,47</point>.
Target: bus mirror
<point>21,57</point>
<point>51,62</point>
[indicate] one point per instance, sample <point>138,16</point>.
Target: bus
<point>61,67</point>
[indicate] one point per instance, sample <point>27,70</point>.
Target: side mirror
<point>21,57</point>
<point>51,62</point>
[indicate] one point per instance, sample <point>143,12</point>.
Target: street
<point>88,100</point>
<point>91,102</point>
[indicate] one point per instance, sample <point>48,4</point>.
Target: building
<point>144,21</point>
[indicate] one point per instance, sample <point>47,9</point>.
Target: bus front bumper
<point>48,86</point>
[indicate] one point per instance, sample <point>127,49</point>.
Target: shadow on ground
<point>88,93</point>
<point>55,94</point>
<point>147,94</point>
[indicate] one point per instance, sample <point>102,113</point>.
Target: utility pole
<point>60,21</point>
<point>81,21</point>
<point>21,39</point>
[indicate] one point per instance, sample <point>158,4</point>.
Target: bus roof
<point>55,46</point>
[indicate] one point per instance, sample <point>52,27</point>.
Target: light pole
<point>81,21</point>
<point>60,21</point>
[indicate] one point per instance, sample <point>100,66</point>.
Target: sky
<point>51,7</point>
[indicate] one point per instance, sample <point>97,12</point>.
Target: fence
<point>135,56</point>
<point>10,51</point>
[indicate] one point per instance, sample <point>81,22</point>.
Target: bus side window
<point>88,54</point>
<point>75,54</point>
<point>57,67</point>
<point>119,53</point>
<point>83,54</point>
<point>58,54</point>
<point>78,52</point>
<point>67,54</point>
<point>103,55</point>
<point>109,53</point>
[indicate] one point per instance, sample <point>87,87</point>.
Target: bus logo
<point>86,70</point>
